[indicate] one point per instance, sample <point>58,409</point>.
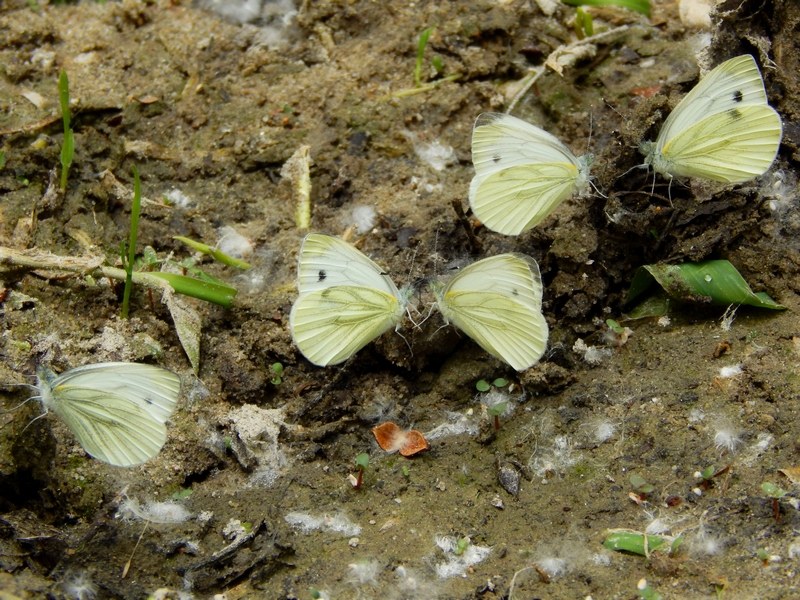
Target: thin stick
<point>127,566</point>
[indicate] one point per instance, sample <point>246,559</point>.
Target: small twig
<point>552,61</point>
<point>127,566</point>
<point>474,242</point>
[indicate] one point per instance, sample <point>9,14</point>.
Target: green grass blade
<point>133,234</point>
<point>68,146</point>
<point>421,44</point>
<point>640,6</point>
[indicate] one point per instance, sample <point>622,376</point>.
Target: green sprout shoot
<point>68,147</point>
<point>640,486</point>
<point>436,62</point>
<point>584,26</point>
<point>277,373</point>
<point>775,492</point>
<point>484,386</point>
<point>182,494</point>
<point>461,546</point>
<point>132,235</point>
<point>646,592</point>
<point>495,410</point>
<point>362,462</point>
<point>422,43</point>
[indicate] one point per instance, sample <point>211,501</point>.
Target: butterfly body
<point>522,173</point>
<point>116,410</point>
<point>723,130</point>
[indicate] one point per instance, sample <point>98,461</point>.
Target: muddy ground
<point>209,110</point>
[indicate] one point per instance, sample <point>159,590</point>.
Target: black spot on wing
<point>496,158</point>
<point>322,275</point>
<point>738,96</point>
<point>735,114</point>
<point>515,292</point>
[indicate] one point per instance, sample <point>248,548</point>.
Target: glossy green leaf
<point>711,281</point>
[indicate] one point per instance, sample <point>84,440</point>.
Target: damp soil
<point>213,109</point>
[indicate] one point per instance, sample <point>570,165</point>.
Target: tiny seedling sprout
<point>646,591</point>
<point>461,546</point>
<point>182,494</point>
<point>436,62</point>
<point>277,373</point>
<point>68,146</point>
<point>362,462</point>
<point>775,492</point>
<point>484,386</point>
<point>584,26</point>
<point>641,488</point>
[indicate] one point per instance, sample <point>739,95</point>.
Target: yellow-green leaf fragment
<point>634,542</point>
<point>711,281</point>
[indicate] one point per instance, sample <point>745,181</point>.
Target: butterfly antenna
<point>24,402</point>
<point>596,189</point>
<point>32,421</point>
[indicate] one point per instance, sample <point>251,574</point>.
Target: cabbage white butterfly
<point>497,302</point>
<point>116,410</point>
<point>345,301</point>
<point>723,130</point>
<point>522,173</point>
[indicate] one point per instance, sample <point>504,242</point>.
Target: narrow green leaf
<point>421,44</point>
<point>712,281</point>
<point>133,234</point>
<point>63,99</point>
<point>640,6</point>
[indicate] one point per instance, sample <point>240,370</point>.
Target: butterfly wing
<point>326,261</point>
<point>497,302</point>
<point>731,147</point>
<point>345,301</point>
<point>331,325</point>
<point>116,411</point>
<point>522,173</point>
<point>723,130</point>
<point>736,82</point>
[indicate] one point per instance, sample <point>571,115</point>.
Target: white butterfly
<point>345,301</point>
<point>522,173</point>
<point>723,130</point>
<point>497,302</point>
<point>116,410</point>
